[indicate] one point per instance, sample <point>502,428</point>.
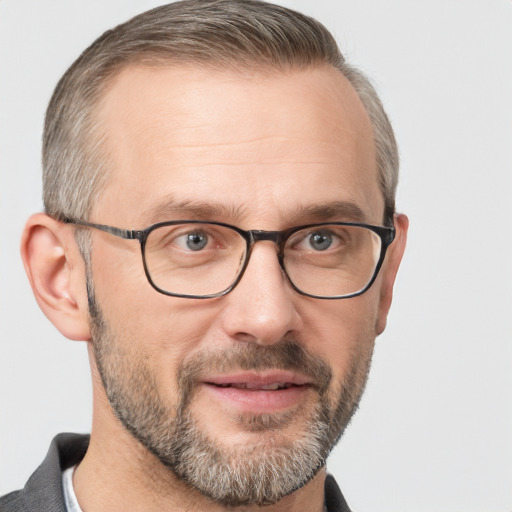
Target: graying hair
<point>232,34</point>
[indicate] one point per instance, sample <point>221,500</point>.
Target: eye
<point>195,241</point>
<point>186,240</point>
<point>316,241</point>
<point>320,241</point>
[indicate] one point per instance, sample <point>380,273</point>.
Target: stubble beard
<point>260,473</point>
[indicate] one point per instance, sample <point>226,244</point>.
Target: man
<point>220,228</point>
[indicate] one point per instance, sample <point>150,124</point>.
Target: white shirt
<point>69,493</point>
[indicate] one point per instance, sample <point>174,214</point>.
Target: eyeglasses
<point>200,260</point>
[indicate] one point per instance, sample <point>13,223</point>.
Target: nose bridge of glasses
<point>278,237</point>
<point>260,235</point>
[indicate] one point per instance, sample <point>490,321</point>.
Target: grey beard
<point>261,473</point>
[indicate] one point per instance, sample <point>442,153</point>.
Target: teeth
<point>276,385</point>
<point>269,387</point>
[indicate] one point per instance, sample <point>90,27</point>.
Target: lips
<point>268,392</point>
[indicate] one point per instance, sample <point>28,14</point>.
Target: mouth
<point>255,387</point>
<point>269,392</point>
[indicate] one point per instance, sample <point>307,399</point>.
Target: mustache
<point>245,356</point>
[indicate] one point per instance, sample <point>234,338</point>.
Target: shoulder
<point>43,490</point>
<point>334,500</point>
<point>11,502</point>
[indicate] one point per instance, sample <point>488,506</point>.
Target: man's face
<point>195,380</point>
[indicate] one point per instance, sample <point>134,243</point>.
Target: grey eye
<point>320,241</point>
<point>196,241</point>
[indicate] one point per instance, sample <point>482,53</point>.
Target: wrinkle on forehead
<point>192,105</point>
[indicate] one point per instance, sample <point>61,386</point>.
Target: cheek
<point>157,329</point>
<point>342,332</point>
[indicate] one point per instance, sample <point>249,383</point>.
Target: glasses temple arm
<point>128,234</point>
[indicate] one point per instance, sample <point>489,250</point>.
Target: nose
<point>262,306</point>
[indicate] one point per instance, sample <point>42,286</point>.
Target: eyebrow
<point>333,211</point>
<point>171,209</point>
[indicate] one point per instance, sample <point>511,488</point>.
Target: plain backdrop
<point>434,431</point>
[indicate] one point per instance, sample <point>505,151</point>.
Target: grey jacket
<point>43,490</point>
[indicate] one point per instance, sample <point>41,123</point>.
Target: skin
<point>261,147</point>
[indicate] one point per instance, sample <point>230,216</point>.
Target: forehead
<point>265,143</point>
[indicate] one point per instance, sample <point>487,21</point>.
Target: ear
<point>390,269</point>
<point>56,272</point>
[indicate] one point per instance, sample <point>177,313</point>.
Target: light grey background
<point>434,432</point>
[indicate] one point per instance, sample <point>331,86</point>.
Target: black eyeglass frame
<point>386,234</point>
